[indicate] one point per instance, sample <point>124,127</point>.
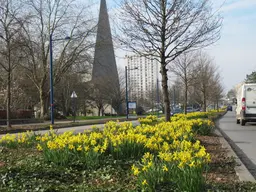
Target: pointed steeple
<point>104,58</point>
<point>104,31</point>
<point>104,73</point>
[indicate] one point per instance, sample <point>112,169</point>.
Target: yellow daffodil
<point>165,168</point>
<point>79,148</point>
<point>39,147</point>
<point>144,182</point>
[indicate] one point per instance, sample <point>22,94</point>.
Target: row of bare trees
<point>197,83</point>
<point>198,79</point>
<point>25,28</point>
<point>164,29</point>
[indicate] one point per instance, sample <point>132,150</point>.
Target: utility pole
<point>158,100</point>
<point>126,93</point>
<point>174,102</point>
<point>51,83</point>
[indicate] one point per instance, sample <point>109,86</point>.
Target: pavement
<point>77,129</point>
<point>58,124</point>
<point>68,121</point>
<point>241,144</point>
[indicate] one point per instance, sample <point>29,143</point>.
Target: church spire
<point>104,73</point>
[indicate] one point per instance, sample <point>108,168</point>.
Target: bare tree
<point>206,73</point>
<point>70,82</point>
<point>231,93</point>
<point>164,29</point>
<point>10,25</point>
<point>176,90</point>
<point>217,90</point>
<point>99,98</point>
<point>57,18</point>
<point>183,67</point>
<point>23,92</point>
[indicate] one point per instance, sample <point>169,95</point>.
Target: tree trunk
<point>64,110</point>
<point>167,109</point>
<point>84,110</point>
<point>42,103</point>
<point>116,105</point>
<point>99,110</point>
<point>165,92</point>
<point>8,108</point>
<point>217,102</point>
<point>63,105</point>
<point>186,98</point>
<point>102,111</point>
<point>204,101</point>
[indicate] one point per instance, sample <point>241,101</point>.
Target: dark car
<point>190,109</point>
<point>229,108</point>
<point>175,111</point>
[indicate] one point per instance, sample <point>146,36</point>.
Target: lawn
<point>182,155</point>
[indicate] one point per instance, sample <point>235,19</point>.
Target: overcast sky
<point>235,52</point>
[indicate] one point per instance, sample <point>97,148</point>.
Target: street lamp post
<point>51,76</point>
<point>158,100</point>
<point>126,91</point>
<point>126,94</point>
<point>51,83</point>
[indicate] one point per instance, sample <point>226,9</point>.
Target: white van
<point>246,103</point>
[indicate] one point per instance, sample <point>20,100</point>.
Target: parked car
<point>229,108</point>
<point>176,111</point>
<point>190,109</point>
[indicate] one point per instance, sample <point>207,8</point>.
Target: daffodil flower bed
<point>26,139</point>
<point>162,152</point>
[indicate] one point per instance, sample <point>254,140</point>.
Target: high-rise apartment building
<point>142,76</point>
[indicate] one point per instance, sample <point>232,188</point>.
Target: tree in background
<point>183,67</point>
<point>206,75</point>
<point>167,28</point>
<point>60,18</point>
<point>175,91</point>
<point>217,90</point>
<point>231,94</point>
<point>11,21</point>
<point>251,78</point>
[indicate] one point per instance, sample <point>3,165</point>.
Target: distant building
<point>142,76</point>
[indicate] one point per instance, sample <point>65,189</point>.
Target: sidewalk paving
<point>76,129</point>
<point>60,124</point>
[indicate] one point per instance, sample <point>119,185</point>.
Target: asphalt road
<point>241,138</point>
<point>78,129</point>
